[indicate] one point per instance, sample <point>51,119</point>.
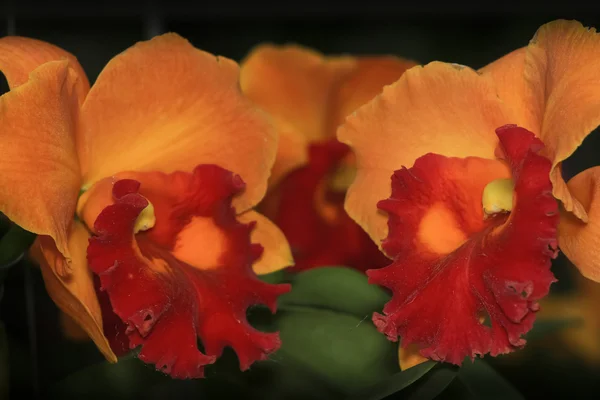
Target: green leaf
<point>275,379</point>
<point>275,277</point>
<point>432,384</point>
<point>457,390</point>
<point>12,245</point>
<point>484,382</point>
<point>4,370</point>
<point>395,383</point>
<point>345,351</point>
<point>338,289</point>
<point>326,329</point>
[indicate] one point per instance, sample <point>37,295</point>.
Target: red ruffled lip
<point>472,285</point>
<point>167,304</point>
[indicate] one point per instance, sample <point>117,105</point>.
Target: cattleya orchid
<point>160,162</point>
<point>470,216</point>
<point>308,95</point>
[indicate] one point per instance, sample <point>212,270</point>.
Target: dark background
<point>472,35</point>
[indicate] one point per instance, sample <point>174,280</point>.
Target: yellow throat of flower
<point>145,220</point>
<point>498,196</point>
<point>343,177</point>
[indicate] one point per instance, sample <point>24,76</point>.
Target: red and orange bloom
<point>170,158</point>
<point>308,96</point>
<point>469,216</point>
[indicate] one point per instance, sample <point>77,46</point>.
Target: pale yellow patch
<point>439,230</point>
<point>145,220</point>
<point>201,244</point>
<point>498,196</point>
<point>345,174</point>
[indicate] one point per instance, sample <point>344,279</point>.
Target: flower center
<point>146,219</point>
<point>498,196</point>
<point>344,175</point>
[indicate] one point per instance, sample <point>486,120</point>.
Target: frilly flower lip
<point>464,285</point>
<point>173,286</point>
<point>311,213</point>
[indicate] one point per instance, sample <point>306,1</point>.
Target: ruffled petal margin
<point>169,304</point>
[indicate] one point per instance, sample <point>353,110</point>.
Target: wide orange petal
<point>365,82</point>
<point>580,241</point>
<point>294,84</point>
<point>506,74</point>
<point>562,64</point>
<point>440,108</point>
<point>163,105</point>
<point>276,250</point>
<point>19,56</point>
<point>39,171</point>
<point>71,287</point>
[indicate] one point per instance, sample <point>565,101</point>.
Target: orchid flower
<point>470,215</point>
<point>157,166</point>
<point>308,95</point>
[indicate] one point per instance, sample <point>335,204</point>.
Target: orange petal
<point>562,64</point>
<point>71,329</point>
<point>39,171</point>
<point>580,241</point>
<point>409,357</point>
<point>163,105</point>
<point>292,152</point>
<point>277,253</point>
<point>97,198</point>
<point>19,56</point>
<point>440,108</point>
<point>506,74</point>
<point>294,84</point>
<point>72,288</point>
<point>365,82</point>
